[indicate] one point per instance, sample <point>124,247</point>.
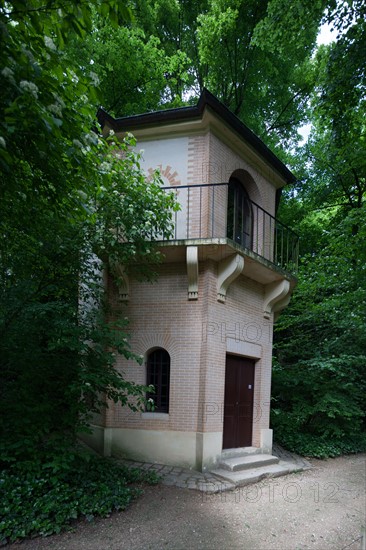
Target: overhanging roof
<point>180,114</point>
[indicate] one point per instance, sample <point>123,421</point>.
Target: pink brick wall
<point>196,332</point>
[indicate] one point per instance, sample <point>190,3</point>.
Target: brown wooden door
<point>238,404</point>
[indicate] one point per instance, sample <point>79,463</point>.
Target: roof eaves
<point>235,123</point>
<point>147,119</point>
<point>193,112</point>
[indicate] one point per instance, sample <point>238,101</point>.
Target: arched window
<point>158,375</point>
<point>239,215</point>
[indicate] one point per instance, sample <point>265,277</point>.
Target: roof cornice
<point>182,114</point>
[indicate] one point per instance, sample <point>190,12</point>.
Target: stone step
<point>240,451</point>
<point>247,462</point>
<point>245,477</point>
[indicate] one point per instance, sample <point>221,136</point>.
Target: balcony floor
<point>255,267</point>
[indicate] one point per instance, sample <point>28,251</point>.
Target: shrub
<point>318,447</point>
<point>318,405</point>
<point>42,497</point>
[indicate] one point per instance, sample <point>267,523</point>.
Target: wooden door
<point>238,404</point>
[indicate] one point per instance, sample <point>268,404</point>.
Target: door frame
<point>231,430</point>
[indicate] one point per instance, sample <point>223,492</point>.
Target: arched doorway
<point>158,375</point>
<point>239,214</point>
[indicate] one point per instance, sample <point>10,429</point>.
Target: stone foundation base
<point>195,450</point>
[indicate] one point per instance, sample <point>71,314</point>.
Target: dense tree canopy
<point>320,374</point>
<point>177,47</point>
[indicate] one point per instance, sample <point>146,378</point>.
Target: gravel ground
<point>323,508</point>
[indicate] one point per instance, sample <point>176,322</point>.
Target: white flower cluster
<point>7,73</point>
<point>91,138</point>
<point>30,87</point>
<point>56,107</point>
<point>94,78</point>
<point>105,167</point>
<point>49,43</point>
<point>59,100</point>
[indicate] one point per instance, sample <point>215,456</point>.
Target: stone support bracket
<point>276,297</point>
<point>228,270</point>
<point>192,272</point>
<point>122,282</point>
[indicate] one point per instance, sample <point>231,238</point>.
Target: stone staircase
<point>249,465</point>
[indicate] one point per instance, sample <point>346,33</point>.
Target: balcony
<point>210,211</point>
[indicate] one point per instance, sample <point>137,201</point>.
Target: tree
<point>175,48</point>
<point>265,82</point>
<point>71,204</point>
<point>134,71</point>
<point>65,195</point>
<point>175,23</point>
<point>319,375</point>
<point>319,378</point>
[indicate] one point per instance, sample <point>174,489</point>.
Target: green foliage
<point>255,56</point>
<point>59,19</point>
<point>319,380</point>
<point>43,496</point>
<point>335,153</point>
<point>175,24</point>
<point>146,65</point>
<point>56,360</point>
<point>266,82</point>
<point>319,377</point>
<point>138,81</point>
<point>283,25</point>
<point>320,400</point>
<point>72,205</point>
<point>317,447</point>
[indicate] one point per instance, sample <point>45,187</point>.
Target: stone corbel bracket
<point>228,270</point>
<point>122,282</point>
<point>276,297</point>
<point>192,272</point>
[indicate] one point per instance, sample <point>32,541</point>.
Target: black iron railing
<point>210,211</point>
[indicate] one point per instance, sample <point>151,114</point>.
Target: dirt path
<point>323,508</point>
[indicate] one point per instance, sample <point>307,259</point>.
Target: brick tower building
<point>205,326</point>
